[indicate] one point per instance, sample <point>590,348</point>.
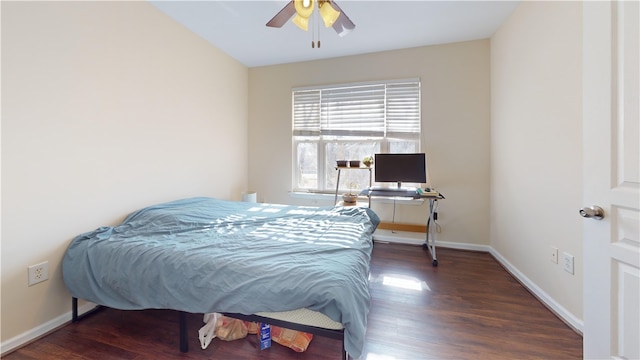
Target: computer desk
<point>431,197</point>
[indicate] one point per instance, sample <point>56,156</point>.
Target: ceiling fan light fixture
<point>304,9</point>
<point>301,22</point>
<point>300,11</point>
<point>328,13</point>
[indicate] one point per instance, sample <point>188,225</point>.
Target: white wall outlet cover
<point>38,273</point>
<point>567,262</point>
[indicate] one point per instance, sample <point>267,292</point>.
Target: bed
<point>204,255</point>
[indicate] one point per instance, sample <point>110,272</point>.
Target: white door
<point>611,77</point>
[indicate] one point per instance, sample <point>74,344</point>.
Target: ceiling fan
<point>331,14</point>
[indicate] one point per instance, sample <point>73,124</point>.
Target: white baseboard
<point>418,238</point>
<point>41,330</point>
<point>414,238</point>
<point>566,316</point>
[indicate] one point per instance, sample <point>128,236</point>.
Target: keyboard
<point>391,192</point>
<point>393,189</point>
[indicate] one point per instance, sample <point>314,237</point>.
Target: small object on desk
<point>429,192</point>
<point>354,163</point>
<point>341,163</point>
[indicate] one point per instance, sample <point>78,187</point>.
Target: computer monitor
<point>400,168</point>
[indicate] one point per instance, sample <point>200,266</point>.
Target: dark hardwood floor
<point>468,307</point>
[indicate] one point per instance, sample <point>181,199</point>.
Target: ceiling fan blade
<point>343,24</point>
<point>283,15</point>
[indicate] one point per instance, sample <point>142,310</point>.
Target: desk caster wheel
<point>435,262</point>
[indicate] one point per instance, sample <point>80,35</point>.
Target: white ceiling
<point>238,27</point>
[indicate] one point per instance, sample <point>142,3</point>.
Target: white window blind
<point>306,113</point>
<point>367,110</point>
<point>403,110</point>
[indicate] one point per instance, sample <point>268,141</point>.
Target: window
<point>349,122</point>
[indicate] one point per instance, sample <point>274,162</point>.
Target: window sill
<point>379,200</point>
<point>311,195</point>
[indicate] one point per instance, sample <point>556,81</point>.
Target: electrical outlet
<point>38,273</point>
<point>553,255</point>
<point>567,262</point>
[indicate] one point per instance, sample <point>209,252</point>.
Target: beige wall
<point>106,107</point>
<point>536,154</point>
<point>455,124</point>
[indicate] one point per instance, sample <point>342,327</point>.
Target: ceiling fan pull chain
<point>314,28</point>
<point>318,25</point>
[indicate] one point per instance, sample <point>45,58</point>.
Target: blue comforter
<point>205,255</point>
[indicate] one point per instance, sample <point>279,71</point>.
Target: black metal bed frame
<point>184,339</point>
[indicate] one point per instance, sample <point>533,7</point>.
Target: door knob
<point>594,211</point>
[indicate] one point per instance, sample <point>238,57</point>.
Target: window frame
<point>313,133</point>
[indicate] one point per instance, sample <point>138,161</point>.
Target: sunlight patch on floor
<point>404,283</point>
<point>372,356</point>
